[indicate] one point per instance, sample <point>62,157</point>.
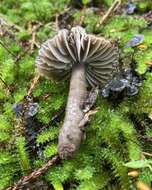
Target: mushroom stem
<point>71,134</point>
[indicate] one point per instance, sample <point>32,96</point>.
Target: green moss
<point>23,154</point>
<point>9,68</point>
<point>146,176</point>
<point>47,135</point>
<point>117,26</point>
<point>50,150</point>
<point>142,58</point>
<point>24,35</point>
<point>143,6</point>
<point>142,102</point>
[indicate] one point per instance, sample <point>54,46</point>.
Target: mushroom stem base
<point>71,133</point>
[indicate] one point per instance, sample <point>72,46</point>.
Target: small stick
<point>33,41</point>
<point>5,21</point>
<point>146,138</point>
<point>5,84</point>
<point>34,82</point>
<point>113,7</point>
<point>147,154</point>
<point>86,117</point>
<point>34,175</point>
<point>5,47</point>
<point>57,22</point>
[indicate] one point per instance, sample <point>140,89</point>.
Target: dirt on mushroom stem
<point>71,134</point>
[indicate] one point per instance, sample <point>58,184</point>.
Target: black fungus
<point>106,91</point>
<point>28,111</point>
<point>32,109</point>
<point>117,85</point>
<point>126,82</point>
<point>28,98</point>
<point>127,74</point>
<point>18,109</point>
<point>32,129</point>
<point>136,81</point>
<point>131,90</point>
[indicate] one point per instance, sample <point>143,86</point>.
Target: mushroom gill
<point>85,58</point>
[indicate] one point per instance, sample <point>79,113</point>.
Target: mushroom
<point>87,60</point>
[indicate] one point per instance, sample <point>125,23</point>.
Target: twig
<point>57,22</point>
<point>7,22</point>
<point>34,82</point>
<point>5,47</point>
<point>34,175</point>
<point>81,21</point>
<point>147,154</point>
<point>146,138</point>
<point>86,117</point>
<point>33,30</point>
<point>113,7</point>
<point>5,84</point>
<point>33,40</point>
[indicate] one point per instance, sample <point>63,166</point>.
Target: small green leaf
<point>138,164</point>
<point>50,150</point>
<point>85,2</point>
<point>57,185</point>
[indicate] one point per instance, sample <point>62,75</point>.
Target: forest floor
<point>116,153</point>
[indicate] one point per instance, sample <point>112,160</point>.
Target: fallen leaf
<point>142,47</point>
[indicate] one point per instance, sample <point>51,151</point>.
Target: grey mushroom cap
<point>59,55</point>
